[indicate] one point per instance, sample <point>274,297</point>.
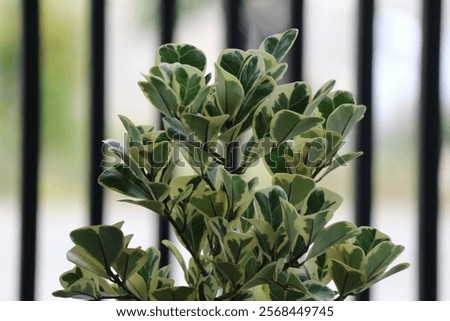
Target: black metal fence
<point>429,122</point>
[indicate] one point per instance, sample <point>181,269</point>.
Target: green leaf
<point>252,152</point>
<point>103,243</point>
<point>205,129</point>
<point>84,288</point>
<point>341,161</point>
<point>129,262</point>
<point>232,60</point>
<point>332,235</point>
<point>160,95</point>
<point>229,92</point>
<point>149,270</point>
<point>187,83</point>
<point>253,98</point>
<point>71,276</point>
<point>158,191</point>
<point>229,271</point>
<point>346,278</point>
<point>123,180</point>
<point>270,205</point>
<point>344,118</point>
<point>207,288</point>
<point>177,293</point>
<point>369,238</point>
<point>351,255</point>
<point>319,97</point>
<point>131,129</point>
<point>176,130</point>
<point>318,268</point>
<point>182,53</point>
<point>251,72</point>
<point>297,187</point>
<point>398,268</point>
<point>261,121</point>
<point>137,286</point>
<point>279,44</point>
<point>265,235</point>
<point>275,161</point>
<point>199,102</point>
<point>380,257</point>
<point>309,226</point>
<point>82,258</point>
<point>293,96</point>
<point>194,235</point>
<point>287,124</point>
<point>319,291</point>
<point>237,245</point>
<point>290,217</point>
<point>322,199</point>
<point>278,293</point>
<point>211,204</point>
<point>173,248</point>
<point>341,97</point>
<point>237,192</point>
<point>266,275</point>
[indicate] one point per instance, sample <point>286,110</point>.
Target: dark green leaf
<point>182,53</point>
<point>152,205</point>
<point>270,205</point>
<point>380,257</point>
<point>229,92</point>
<point>132,130</point>
<point>344,118</point>
<point>205,129</point>
<point>129,262</point>
<point>160,95</point>
<point>102,242</point>
<point>253,98</point>
<point>266,275</point>
<point>287,124</point>
<point>319,97</point>
<point>369,238</point>
<point>176,253</point>
<point>178,293</point>
<point>251,71</point>
<point>122,179</point>
<point>332,235</point>
<point>297,187</point>
<point>278,45</point>
<point>211,204</point>
<point>232,60</point>
<point>84,288</point>
<point>261,121</point>
<point>346,278</point>
<point>229,271</point>
<point>187,83</point>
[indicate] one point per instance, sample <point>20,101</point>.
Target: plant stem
<point>188,247</point>
<point>115,278</point>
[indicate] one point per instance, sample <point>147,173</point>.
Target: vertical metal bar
<point>363,177</point>
<point>297,21</point>
<point>168,10</point>
<point>234,39</point>
<point>30,147</point>
<point>97,125</point>
<point>429,150</point>
<point>234,35</point>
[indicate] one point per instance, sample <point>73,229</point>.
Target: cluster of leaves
<point>274,243</point>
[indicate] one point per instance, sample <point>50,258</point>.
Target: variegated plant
<point>246,242</point>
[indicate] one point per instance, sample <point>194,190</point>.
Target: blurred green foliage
<point>63,32</point>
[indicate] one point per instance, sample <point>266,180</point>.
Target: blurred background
<point>132,36</point>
